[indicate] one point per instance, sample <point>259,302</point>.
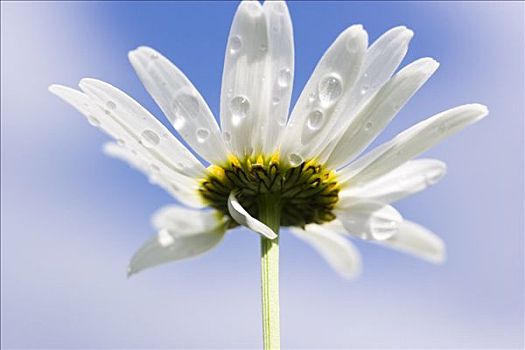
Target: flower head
<point>308,164</point>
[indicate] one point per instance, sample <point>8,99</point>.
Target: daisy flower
<point>265,169</point>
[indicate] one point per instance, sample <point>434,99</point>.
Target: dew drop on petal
<point>149,138</point>
<point>227,136</point>
<point>364,89</point>
<point>368,126</point>
<point>93,121</point>
<point>295,159</point>
<point>284,78</point>
<point>121,142</point>
<point>330,89</point>
<point>111,105</point>
<point>235,44</point>
<point>263,48</point>
<point>154,56</point>
<point>276,100</point>
<point>239,107</point>
<point>315,120</point>
<point>164,238</point>
<point>202,135</point>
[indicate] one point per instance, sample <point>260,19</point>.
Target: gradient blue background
<point>71,217</point>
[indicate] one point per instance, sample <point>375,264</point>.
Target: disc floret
<point>306,193</point>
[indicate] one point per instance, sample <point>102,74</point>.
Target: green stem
<point>270,214</point>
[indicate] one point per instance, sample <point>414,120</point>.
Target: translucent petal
<point>370,220</point>
<point>181,103</point>
<point>326,92</point>
<point>411,142</point>
<point>188,233</point>
<point>411,177</point>
<point>416,240</point>
<point>184,189</point>
<point>138,131</point>
<point>338,252</point>
<point>379,111</point>
<point>246,82</point>
<point>242,217</point>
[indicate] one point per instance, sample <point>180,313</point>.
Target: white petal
<point>411,143</point>
<point>339,252</point>
<point>411,177</point>
<point>325,94</point>
<point>184,189</point>
<point>246,83</point>
<point>175,159</point>
<point>380,110</point>
<point>242,217</point>
<point>136,123</point>
<point>281,70</point>
<point>187,233</point>
<point>181,103</point>
<point>418,241</point>
<point>370,220</point>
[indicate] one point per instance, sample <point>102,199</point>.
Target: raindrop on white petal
<point>276,100</point>
<point>93,121</point>
<point>164,238</point>
<point>121,142</point>
<point>202,135</point>
<point>295,159</point>
<point>315,120</point>
<point>312,97</point>
<point>263,47</point>
<point>227,136</point>
<point>154,56</point>
<point>330,89</point>
<point>239,107</point>
<point>364,89</point>
<point>368,126</point>
<point>149,138</point>
<point>284,78</point>
<point>175,118</point>
<point>111,105</point>
<point>235,44</point>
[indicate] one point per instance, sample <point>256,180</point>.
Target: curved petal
<point>325,94</point>
<point>379,111</point>
<point>416,240</point>
<point>242,217</point>
<point>141,137</point>
<point>411,143</point>
<point>412,177</point>
<point>181,103</point>
<point>184,189</point>
<point>245,80</point>
<point>186,233</point>
<point>338,252</point>
<point>370,220</point>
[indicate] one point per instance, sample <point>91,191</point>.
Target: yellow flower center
<point>306,193</point>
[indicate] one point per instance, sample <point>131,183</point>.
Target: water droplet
<point>276,100</point>
<point>229,93</point>
<point>227,136</point>
<point>263,48</point>
<point>396,106</point>
<point>93,121</point>
<point>312,96</point>
<point>235,44</point>
<point>282,120</point>
<point>239,107</point>
<point>202,135</point>
<point>149,138</point>
<point>164,238</point>
<point>187,104</point>
<point>284,78</point>
<point>368,126</point>
<point>175,187</point>
<point>111,105</point>
<point>121,142</point>
<point>330,89</point>
<point>315,120</point>
<point>154,56</point>
<point>295,159</point>
<point>364,89</point>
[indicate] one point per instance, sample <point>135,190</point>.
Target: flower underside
<point>306,193</point>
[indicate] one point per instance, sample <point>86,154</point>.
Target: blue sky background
<point>71,218</point>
